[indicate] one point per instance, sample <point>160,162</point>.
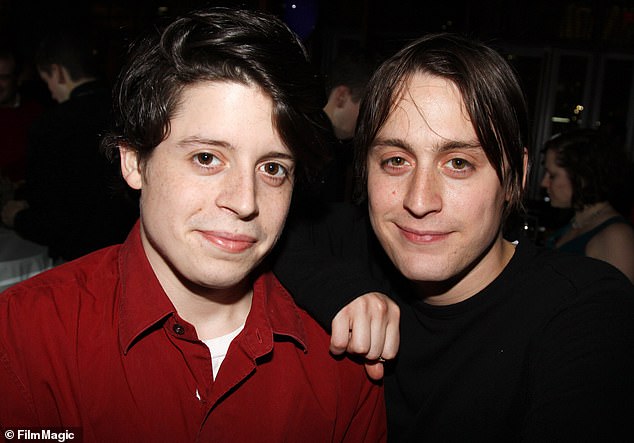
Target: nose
<point>545,181</point>
<point>423,193</point>
<point>238,194</point>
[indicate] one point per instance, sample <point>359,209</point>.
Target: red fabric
<point>14,127</point>
<point>93,344</point>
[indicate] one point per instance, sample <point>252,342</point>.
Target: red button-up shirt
<point>97,346</point>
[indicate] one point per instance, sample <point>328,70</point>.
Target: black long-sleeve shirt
<point>544,353</point>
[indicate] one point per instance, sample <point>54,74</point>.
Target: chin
<point>415,272</point>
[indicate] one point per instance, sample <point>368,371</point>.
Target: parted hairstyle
<point>489,88</point>
<point>594,165</point>
<point>218,45</point>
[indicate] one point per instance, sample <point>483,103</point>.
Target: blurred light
<point>301,16</point>
<point>578,109</point>
<point>560,120</point>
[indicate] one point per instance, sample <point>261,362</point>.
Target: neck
<point>589,214</point>
<point>213,312</point>
<point>473,279</point>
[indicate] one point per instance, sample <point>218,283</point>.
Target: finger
<point>392,340</point>
<point>374,369</point>
<point>340,335</point>
<point>360,338</point>
<point>377,339</point>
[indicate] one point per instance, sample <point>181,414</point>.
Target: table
<point>20,259</point>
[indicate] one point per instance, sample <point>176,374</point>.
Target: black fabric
<point>544,353</point>
<point>324,261</point>
<point>75,195</point>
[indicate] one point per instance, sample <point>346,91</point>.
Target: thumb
<point>374,369</point>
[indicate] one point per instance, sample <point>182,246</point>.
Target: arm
<point>11,209</point>
<point>17,408</point>
<point>581,369</point>
<point>324,260</point>
<point>615,245</point>
<point>369,422</point>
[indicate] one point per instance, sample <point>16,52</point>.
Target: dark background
<point>575,59</point>
<point>325,25</point>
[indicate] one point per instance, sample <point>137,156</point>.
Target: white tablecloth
<point>20,259</point>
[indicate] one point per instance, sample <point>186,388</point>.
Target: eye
<point>394,162</point>
<point>206,159</point>
<point>274,169</point>
<point>459,163</point>
<point>458,167</point>
<point>273,173</point>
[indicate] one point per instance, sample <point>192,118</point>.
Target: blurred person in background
<point>346,80</point>
<point>587,174</point>
<point>74,201</point>
<point>16,116</point>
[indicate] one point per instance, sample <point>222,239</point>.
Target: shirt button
<point>179,329</point>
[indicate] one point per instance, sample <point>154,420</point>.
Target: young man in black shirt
<point>500,341</point>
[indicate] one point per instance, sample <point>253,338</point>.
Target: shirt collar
<point>143,302</point>
<point>273,312</point>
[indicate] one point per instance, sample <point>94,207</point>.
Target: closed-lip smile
<point>228,241</point>
<point>422,236</point>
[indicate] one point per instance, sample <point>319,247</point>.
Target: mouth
<point>234,243</point>
<point>422,237</point>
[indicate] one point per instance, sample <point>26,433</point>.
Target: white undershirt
<point>218,348</point>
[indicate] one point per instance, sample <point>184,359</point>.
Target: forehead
<point>429,107</point>
<point>206,99</point>
<point>550,159</point>
<point>230,113</point>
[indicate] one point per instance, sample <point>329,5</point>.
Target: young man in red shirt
<point>181,333</point>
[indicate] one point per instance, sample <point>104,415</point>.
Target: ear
<point>342,95</point>
<point>130,167</point>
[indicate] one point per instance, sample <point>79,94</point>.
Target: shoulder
<point>558,277</point>
<point>619,233</point>
<point>580,308</point>
<point>63,292</point>
<point>289,319</point>
<point>344,374</point>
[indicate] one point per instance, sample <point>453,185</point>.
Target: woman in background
<point>583,173</point>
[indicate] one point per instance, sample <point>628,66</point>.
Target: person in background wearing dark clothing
<point>16,116</point>
<point>182,333</point>
<point>584,172</point>
<point>500,341</point>
<point>345,85</point>
<point>71,201</point>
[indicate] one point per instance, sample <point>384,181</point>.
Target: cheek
<point>274,205</point>
<point>562,187</point>
<point>478,203</point>
<point>384,191</point>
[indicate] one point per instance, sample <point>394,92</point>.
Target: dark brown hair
<point>218,44</point>
<point>489,89</point>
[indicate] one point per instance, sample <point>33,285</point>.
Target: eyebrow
<point>194,140</point>
<point>448,145</point>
